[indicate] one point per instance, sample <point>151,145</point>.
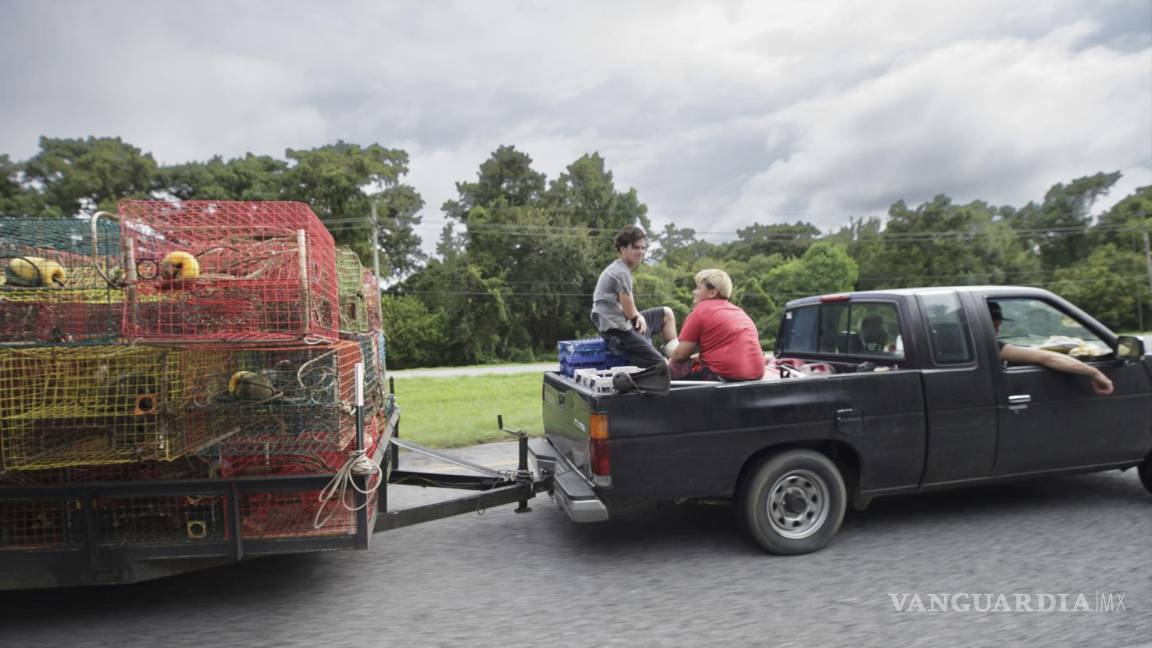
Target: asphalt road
<point>676,576</point>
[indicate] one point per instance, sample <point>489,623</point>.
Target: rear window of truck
<point>947,328</point>
<point>870,329</point>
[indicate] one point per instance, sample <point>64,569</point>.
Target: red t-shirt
<point>727,339</point>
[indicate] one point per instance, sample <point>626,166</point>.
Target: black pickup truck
<point>914,397</point>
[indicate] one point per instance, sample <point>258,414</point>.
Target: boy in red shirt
<point>725,336</point>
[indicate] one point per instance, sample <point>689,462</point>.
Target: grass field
<point>452,412</point>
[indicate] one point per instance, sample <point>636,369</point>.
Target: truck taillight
<point>599,457</point>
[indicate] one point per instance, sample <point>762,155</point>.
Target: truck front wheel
<point>794,502</point>
<point>1145,471</point>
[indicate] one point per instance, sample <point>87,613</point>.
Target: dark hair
<point>628,235</point>
<point>996,311</point>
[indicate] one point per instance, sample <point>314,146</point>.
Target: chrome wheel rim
<point>797,505</point>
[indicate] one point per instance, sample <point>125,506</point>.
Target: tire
<point>794,502</point>
<point>1145,471</point>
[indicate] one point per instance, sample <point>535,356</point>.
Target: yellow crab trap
<point>61,281</point>
<point>353,302</point>
<point>100,405</point>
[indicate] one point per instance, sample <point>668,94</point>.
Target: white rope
<point>358,464</point>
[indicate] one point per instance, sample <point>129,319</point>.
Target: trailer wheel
<point>1145,471</point>
<point>794,502</point>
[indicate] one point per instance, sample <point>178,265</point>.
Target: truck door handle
<point>1019,401</point>
<point>848,421</point>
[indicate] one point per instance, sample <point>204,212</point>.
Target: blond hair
<point>715,278</point>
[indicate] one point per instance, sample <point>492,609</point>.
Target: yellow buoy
<point>34,272</point>
<point>179,265</point>
<point>249,385</point>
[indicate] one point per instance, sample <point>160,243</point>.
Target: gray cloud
<point>719,114</point>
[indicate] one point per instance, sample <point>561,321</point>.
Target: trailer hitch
<point>497,486</point>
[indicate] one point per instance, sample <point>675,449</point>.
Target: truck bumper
<point>570,491</point>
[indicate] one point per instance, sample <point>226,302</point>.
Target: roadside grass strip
<point>461,411</point>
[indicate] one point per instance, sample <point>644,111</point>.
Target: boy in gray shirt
<point>626,329</point>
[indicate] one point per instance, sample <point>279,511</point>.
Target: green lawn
<point>452,412</point>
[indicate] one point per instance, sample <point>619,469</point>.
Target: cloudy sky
<point>719,113</point>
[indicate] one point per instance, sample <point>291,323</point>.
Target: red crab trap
<point>209,270</point>
<point>303,513</point>
<point>61,281</point>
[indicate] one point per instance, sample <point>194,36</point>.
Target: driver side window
<point>1038,324</point>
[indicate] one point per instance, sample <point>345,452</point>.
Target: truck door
<point>1050,420</point>
<point>960,401</point>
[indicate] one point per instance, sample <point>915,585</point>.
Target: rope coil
<point>358,464</point>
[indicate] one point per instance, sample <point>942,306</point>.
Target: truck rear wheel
<point>794,502</point>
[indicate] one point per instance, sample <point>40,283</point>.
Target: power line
<point>585,232</point>
<point>1137,278</point>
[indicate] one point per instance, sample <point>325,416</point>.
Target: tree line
<point>518,253</point>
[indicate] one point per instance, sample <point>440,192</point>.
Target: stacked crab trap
<point>211,349</point>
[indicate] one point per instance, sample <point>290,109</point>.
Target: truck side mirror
<point>1129,348</point>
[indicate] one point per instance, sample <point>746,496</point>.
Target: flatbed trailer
<point>89,550</point>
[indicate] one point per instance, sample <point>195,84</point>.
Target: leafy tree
<point>475,306</point>
<point>862,238</point>
<point>1051,227</point>
<point>416,335</point>
<point>940,244</point>
<point>679,247</point>
<point>252,177</point>
<point>85,174</point>
<point>398,210</point>
<point>506,177</point>
<point>1110,284</point>
<point>789,240</point>
<point>1126,221</point>
<point>824,268</point>
<point>341,180</point>
<point>16,199</point>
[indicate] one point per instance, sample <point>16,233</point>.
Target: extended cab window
<point>845,328</point>
<point>1040,325</point>
<point>947,328</point>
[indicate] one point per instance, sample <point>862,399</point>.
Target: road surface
<point>675,576</point>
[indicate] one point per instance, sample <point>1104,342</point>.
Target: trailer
<point>185,384</point>
<point>119,532</point>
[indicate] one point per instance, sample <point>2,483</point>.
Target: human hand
<point>1101,384</point>
<point>641,324</point>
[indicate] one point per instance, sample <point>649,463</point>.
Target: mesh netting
<point>205,270</point>
<point>60,282</point>
<point>182,519</point>
<point>268,389</point>
<point>63,407</point>
<point>293,401</point>
<point>371,289</point>
<point>294,514</point>
<point>188,467</point>
<point>38,524</point>
<point>353,307</point>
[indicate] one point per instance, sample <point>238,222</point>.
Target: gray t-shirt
<point>615,279</point>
